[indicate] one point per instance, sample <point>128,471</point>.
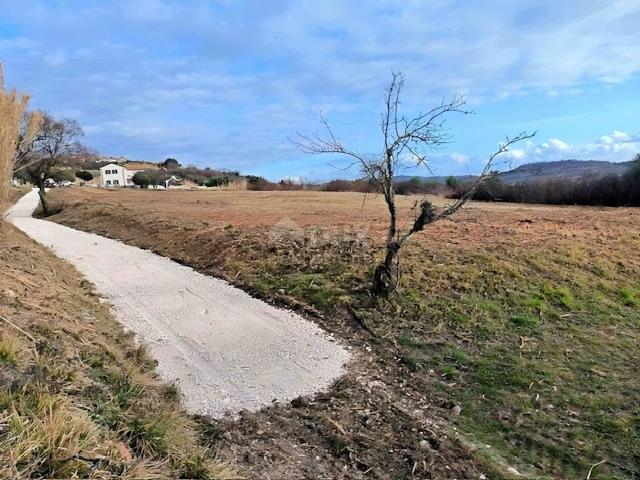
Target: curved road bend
<point>225,350</point>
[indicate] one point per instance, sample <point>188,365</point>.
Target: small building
<point>113,175</point>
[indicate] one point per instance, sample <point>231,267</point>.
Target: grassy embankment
<point>532,330</point>
<point>78,398</point>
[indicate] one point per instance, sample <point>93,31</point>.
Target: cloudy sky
<point>225,82</point>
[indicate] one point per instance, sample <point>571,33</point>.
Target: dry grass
<point>44,434</point>
<point>10,347</point>
<point>79,399</point>
<point>12,107</point>
<point>344,212</point>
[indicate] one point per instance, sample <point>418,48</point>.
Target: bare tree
<point>405,141</point>
<point>30,129</point>
<point>55,143</point>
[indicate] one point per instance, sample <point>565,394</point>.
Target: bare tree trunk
<point>43,199</point>
<point>384,280</point>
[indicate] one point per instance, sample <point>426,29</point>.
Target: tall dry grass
<point>12,108</point>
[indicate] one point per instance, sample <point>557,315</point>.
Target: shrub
<point>216,182</point>
<point>63,175</point>
<point>452,182</point>
<point>170,164</point>
<point>84,175</point>
<point>141,179</point>
<point>258,183</point>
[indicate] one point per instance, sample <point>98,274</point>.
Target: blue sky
<point>224,83</point>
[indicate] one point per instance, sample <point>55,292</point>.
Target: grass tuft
<point>525,322</point>
<point>10,348</point>
<point>629,297</point>
<point>47,437</point>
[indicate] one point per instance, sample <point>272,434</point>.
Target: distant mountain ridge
<point>530,172</point>
<point>564,169</point>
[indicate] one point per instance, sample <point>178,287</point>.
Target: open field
<point>526,317</point>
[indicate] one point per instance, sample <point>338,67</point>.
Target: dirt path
<point>226,350</point>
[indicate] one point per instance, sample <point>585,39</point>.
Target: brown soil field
<point>353,212</point>
<point>510,344</point>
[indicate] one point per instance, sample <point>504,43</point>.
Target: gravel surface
<point>225,350</point>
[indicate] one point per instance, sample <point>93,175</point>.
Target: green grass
<point>629,297</point>
<point>550,332</point>
<point>524,322</point>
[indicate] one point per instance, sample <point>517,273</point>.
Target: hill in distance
<point>564,169</point>
<point>561,169</point>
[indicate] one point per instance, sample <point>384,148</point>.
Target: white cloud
<point>616,146</point>
<point>559,145</point>
<point>516,154</point>
<point>616,137</point>
<point>460,158</point>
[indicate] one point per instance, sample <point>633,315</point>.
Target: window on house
<point>107,172</point>
<point>116,182</point>
<point>108,182</point>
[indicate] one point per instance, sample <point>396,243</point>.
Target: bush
<point>60,175</point>
<point>142,179</point>
<point>216,182</point>
<point>170,164</point>
<point>84,175</point>
<point>452,182</point>
<point>258,183</point>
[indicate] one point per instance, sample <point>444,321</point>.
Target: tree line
<point>608,190</point>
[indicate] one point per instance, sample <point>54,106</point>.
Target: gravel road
<point>225,350</point>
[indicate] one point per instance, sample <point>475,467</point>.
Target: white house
<point>113,175</point>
